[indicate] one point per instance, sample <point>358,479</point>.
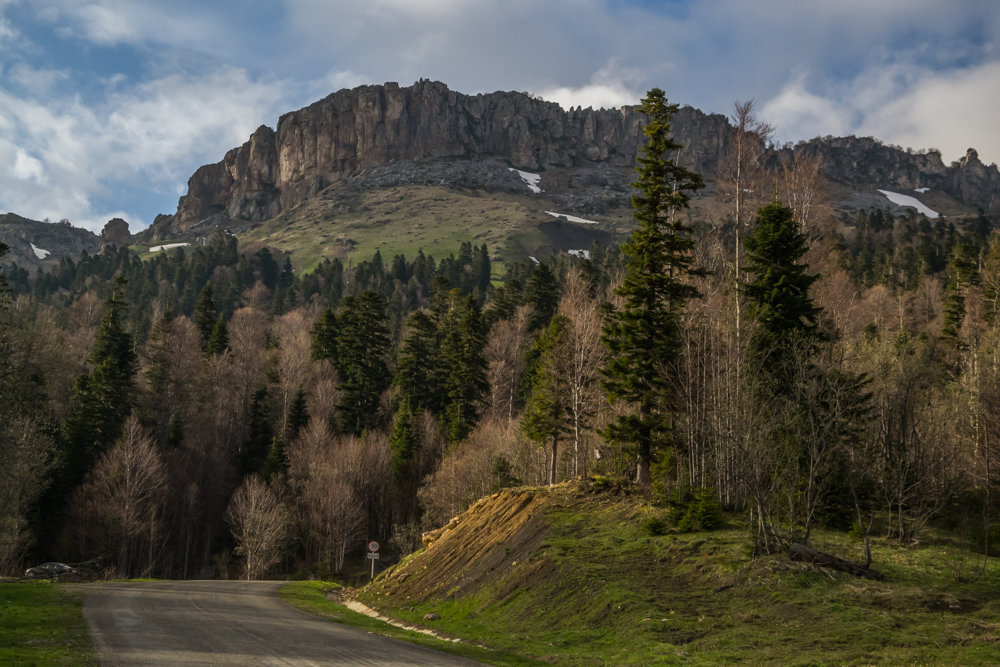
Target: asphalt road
<point>230,623</point>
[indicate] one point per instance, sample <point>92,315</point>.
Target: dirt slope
<point>494,540</point>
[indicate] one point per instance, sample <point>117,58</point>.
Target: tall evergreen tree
<point>465,384</point>
<point>643,338</point>
<point>206,314</point>
<point>324,336</point>
<point>542,292</point>
<point>218,341</point>
<point>419,371</point>
<point>363,344</point>
<point>102,399</point>
<point>545,415</point>
<point>778,300</point>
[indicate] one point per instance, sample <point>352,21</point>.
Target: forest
<point>208,411</point>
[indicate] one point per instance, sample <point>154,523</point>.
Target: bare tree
<point>26,456</point>
<point>585,354</point>
<point>504,353</point>
<point>260,525</point>
<point>120,503</point>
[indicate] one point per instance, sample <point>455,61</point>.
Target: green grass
<point>41,623</point>
<point>311,596</point>
<point>606,592</point>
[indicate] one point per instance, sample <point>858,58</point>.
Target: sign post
<point>373,555</point>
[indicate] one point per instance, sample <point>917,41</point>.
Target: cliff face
<point>865,162</point>
<point>354,129</point>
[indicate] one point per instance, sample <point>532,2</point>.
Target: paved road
<point>230,623</point>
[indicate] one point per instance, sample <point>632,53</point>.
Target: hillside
<point>571,575</point>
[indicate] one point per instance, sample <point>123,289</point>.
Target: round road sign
<point>373,546</point>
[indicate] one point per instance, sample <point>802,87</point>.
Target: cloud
<point>76,161</point>
<point>899,104</point>
<point>949,111</point>
<point>609,88</point>
<point>797,113</point>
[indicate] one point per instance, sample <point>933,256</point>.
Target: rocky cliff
<point>34,244</point>
<point>372,126</point>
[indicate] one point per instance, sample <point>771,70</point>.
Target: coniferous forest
<point>208,410</point>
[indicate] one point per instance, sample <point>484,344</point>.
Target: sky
<point>108,106</point>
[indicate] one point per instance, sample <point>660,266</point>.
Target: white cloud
<point>104,25</point>
<point>899,104</point>
<point>69,156</point>
<point>796,112</point>
<point>949,111</point>
<point>609,88</point>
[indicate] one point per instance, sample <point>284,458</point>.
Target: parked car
<point>50,570</point>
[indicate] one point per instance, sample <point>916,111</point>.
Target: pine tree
<point>542,292</point>
<point>260,438</point>
<point>643,338</point>
<point>545,415</point>
<point>324,336</point>
<point>363,344</point>
<point>102,399</point>
<point>205,314</point>
<point>465,384</point>
<point>419,371</point>
<point>218,340</point>
<point>777,294</point>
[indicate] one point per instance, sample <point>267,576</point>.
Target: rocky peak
<point>368,127</point>
<point>116,232</point>
<point>355,129</point>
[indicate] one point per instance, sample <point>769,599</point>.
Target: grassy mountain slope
<point>402,219</point>
<point>571,576</point>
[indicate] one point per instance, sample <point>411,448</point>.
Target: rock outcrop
<point>33,244</point>
<point>865,162</point>
<point>374,126</point>
<point>116,233</point>
<point>369,126</point>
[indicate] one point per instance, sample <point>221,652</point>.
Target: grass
<point>607,592</point>
<point>41,623</point>
<point>311,596</point>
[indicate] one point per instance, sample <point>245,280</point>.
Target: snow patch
<point>533,259</point>
<point>573,218</point>
<point>531,179</point>
<point>921,190</point>
<point>583,254</point>
<point>39,253</point>
<point>907,200</point>
<point>168,246</point>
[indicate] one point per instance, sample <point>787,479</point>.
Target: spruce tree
<point>465,383</point>
<point>218,341</point>
<point>324,336</point>
<point>419,371</point>
<point>545,415</point>
<point>643,337</point>
<point>363,344</point>
<point>205,314</point>
<point>778,300</point>
<point>103,398</point>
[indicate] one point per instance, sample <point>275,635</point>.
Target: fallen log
<point>801,552</point>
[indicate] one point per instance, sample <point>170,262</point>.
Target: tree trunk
<point>801,552</point>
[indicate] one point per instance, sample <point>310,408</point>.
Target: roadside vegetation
<point>614,581</point>
<point>41,623</point>
<point>322,598</point>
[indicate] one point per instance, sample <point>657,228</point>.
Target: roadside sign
<point>373,555</point>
